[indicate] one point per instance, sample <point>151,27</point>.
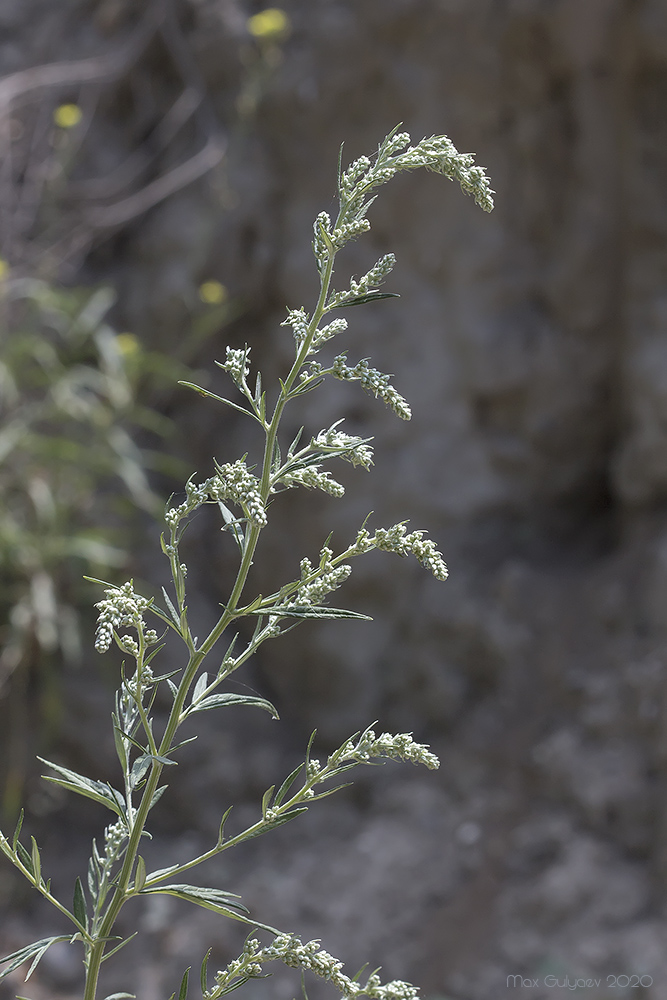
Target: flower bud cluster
<point>398,747</point>
<point>329,578</point>
<point>309,957</point>
<point>396,539</point>
<point>195,497</point>
<point>298,319</point>
<point>327,332</point>
<point>234,482</point>
<point>349,231</point>
<point>373,381</point>
<point>370,282</point>
<point>351,174</point>
<point>237,364</point>
<point>440,155</point>
<point>312,478</point>
<point>121,608</point>
<point>349,447</point>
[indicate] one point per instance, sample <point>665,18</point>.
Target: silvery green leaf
<point>121,996</point>
<point>200,687</point>
<point>157,795</point>
<point>95,790</point>
<point>360,300</point>
<point>220,700</point>
<point>140,874</point>
<point>139,769</point>
<point>216,900</point>
<point>171,608</point>
<point>36,860</point>
<point>35,950</point>
<point>233,523</point>
<point>286,785</point>
<point>79,907</point>
<point>313,611</point>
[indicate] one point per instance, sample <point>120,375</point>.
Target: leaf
<point>203,977</point>
<point>286,785</point>
<point>79,907</point>
<point>121,996</point>
<point>221,831</point>
<point>157,794</point>
<point>216,900</point>
<point>183,992</point>
<point>113,952</point>
<point>312,611</point>
<point>233,524</point>
<point>36,861</point>
<point>266,799</point>
<point>139,769</point>
<point>360,300</point>
<point>200,687</point>
<point>171,609</point>
<point>95,790</point>
<point>220,700</point>
<point>140,875</point>
<point>35,950</point>
<point>17,831</point>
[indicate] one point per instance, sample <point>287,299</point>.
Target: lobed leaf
<point>36,951</point>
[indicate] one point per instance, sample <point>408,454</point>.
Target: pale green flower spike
<point>243,493</point>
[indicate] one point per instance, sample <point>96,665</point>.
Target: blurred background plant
<point>73,481</point>
<point>76,396</point>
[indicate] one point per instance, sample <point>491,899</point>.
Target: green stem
<point>121,894</point>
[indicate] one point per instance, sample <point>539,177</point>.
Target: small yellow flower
<point>127,344</point>
<point>213,293</point>
<point>67,115</point>
<point>269,24</point>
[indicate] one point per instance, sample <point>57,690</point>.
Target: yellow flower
<point>4,269</point>
<point>269,24</point>
<point>67,115</point>
<point>127,344</point>
<point>212,293</point>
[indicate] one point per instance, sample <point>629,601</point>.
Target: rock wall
<point>533,346</point>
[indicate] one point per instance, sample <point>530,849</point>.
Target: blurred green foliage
<point>72,483</point>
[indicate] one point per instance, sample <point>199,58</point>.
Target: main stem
<point>121,894</point>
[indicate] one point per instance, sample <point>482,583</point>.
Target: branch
<point>95,68</point>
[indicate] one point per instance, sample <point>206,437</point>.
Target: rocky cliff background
<point>532,344</point>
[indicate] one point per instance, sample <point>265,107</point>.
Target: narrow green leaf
<point>203,973</point>
<point>79,907</point>
<point>220,399</point>
<point>311,611</point>
<point>221,835</point>
<point>360,300</point>
<point>221,700</point>
<point>36,861</point>
<point>286,785</point>
<point>172,610</point>
<point>34,950</point>
<point>24,857</point>
<point>233,523</point>
<point>216,900</point>
<point>121,996</point>
<point>266,800</point>
<point>157,795</point>
<point>140,874</point>
<point>95,790</point>
<point>183,992</point>
<point>117,948</point>
<point>17,831</point>
<point>200,686</point>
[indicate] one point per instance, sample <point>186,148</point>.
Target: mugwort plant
<point>137,624</point>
